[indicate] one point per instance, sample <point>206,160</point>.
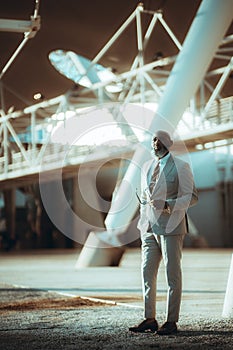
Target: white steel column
<point>207,30</point>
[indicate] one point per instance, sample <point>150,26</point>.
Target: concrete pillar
<point>97,253</point>
<point>85,201</point>
<point>10,213</point>
<point>228,302</point>
<point>87,209</point>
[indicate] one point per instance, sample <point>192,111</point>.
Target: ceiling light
<point>38,96</point>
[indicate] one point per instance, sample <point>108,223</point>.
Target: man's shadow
<point>203,332</point>
<point>194,333</point>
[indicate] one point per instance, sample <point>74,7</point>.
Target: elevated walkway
<point>22,172</point>
<point>204,131</point>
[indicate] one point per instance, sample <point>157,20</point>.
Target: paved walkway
<point>205,274</point>
<point>39,275</point>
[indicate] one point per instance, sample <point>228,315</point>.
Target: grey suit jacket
<point>175,186</point>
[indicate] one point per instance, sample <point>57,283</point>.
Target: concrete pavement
<point>205,274</point>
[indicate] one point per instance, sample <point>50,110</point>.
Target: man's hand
<point>160,205</point>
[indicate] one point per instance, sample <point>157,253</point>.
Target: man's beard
<point>160,151</point>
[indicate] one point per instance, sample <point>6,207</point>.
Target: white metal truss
<point>144,82</point>
<point>28,28</point>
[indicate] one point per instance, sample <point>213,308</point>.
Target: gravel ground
<point>33,319</point>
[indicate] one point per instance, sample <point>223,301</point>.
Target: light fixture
<point>38,96</point>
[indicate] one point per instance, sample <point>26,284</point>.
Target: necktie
<point>154,178</point>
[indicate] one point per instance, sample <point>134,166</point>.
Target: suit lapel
<point>168,167</point>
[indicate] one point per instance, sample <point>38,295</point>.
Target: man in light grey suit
<point>167,191</point>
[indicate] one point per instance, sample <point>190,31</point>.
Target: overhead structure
<point>81,70</point>
<point>143,83</point>
<point>28,28</point>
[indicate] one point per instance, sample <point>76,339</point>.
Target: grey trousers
<point>154,248</point>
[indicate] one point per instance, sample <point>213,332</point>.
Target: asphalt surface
<point>47,304</point>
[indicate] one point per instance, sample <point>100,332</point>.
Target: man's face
<point>159,149</point>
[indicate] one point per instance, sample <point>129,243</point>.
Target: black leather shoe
<point>145,326</point>
<point>167,328</point>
